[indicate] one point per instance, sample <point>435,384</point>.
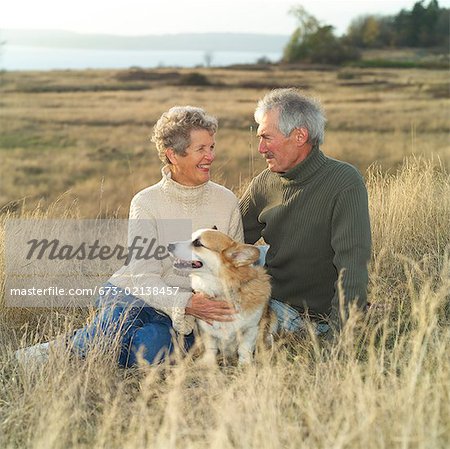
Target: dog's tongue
<point>196,264</point>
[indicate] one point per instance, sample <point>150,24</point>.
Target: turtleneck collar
<point>188,196</point>
<point>167,178</point>
<point>303,171</point>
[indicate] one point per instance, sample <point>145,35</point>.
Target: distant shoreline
<point>211,42</point>
<point>15,57</point>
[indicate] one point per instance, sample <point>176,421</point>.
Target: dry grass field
<point>74,144</point>
<point>84,135</point>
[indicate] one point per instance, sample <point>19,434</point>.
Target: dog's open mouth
<point>185,264</point>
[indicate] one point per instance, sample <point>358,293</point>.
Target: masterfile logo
<point>50,262</point>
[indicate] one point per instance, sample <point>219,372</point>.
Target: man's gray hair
<point>173,129</point>
<point>295,111</point>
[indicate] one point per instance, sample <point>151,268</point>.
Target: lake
<point>15,57</point>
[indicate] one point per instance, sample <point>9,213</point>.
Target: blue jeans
<point>138,329</point>
<point>289,319</point>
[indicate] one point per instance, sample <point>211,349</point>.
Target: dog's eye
<point>197,243</point>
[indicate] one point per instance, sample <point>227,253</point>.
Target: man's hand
<point>200,306</point>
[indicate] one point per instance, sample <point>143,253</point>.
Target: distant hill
<point>188,41</point>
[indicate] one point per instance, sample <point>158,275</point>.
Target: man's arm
<point>250,213</point>
<point>351,242</point>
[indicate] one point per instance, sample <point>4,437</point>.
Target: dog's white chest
<point>228,336</point>
<point>207,285</point>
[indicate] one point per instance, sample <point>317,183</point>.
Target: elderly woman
<point>152,324</point>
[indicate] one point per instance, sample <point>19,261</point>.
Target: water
<point>15,57</point>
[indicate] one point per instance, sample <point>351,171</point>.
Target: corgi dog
<point>224,270</point>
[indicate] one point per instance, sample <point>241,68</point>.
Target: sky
<point>140,17</point>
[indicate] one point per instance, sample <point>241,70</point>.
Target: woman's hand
<point>200,306</point>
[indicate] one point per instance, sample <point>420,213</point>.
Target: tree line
<point>422,26</point>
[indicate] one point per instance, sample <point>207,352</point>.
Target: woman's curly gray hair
<point>173,129</point>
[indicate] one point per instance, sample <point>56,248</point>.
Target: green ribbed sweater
<point>315,219</point>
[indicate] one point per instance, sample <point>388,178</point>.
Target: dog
<point>224,270</point>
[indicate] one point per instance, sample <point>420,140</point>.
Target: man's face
<point>281,153</point>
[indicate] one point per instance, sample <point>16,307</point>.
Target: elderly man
<point>312,211</point>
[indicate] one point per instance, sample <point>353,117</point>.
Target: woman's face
<point>193,169</point>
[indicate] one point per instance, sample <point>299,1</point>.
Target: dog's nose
<point>170,247</point>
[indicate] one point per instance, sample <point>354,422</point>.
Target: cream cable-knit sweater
<point>156,213</point>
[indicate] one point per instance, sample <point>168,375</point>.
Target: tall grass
<point>86,133</point>
<point>384,384</point>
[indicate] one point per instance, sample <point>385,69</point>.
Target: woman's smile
<point>193,168</point>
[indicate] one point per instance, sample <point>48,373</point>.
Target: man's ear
<point>301,135</point>
<point>172,156</point>
<point>241,255</point>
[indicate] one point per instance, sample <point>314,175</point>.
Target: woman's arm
<point>236,231</point>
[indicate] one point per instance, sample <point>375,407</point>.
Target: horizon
<point>96,33</point>
<point>197,17</point>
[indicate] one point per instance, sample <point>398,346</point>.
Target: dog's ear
<point>215,228</point>
<point>241,255</point>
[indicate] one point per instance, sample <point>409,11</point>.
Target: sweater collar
<point>179,190</point>
<point>303,171</point>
